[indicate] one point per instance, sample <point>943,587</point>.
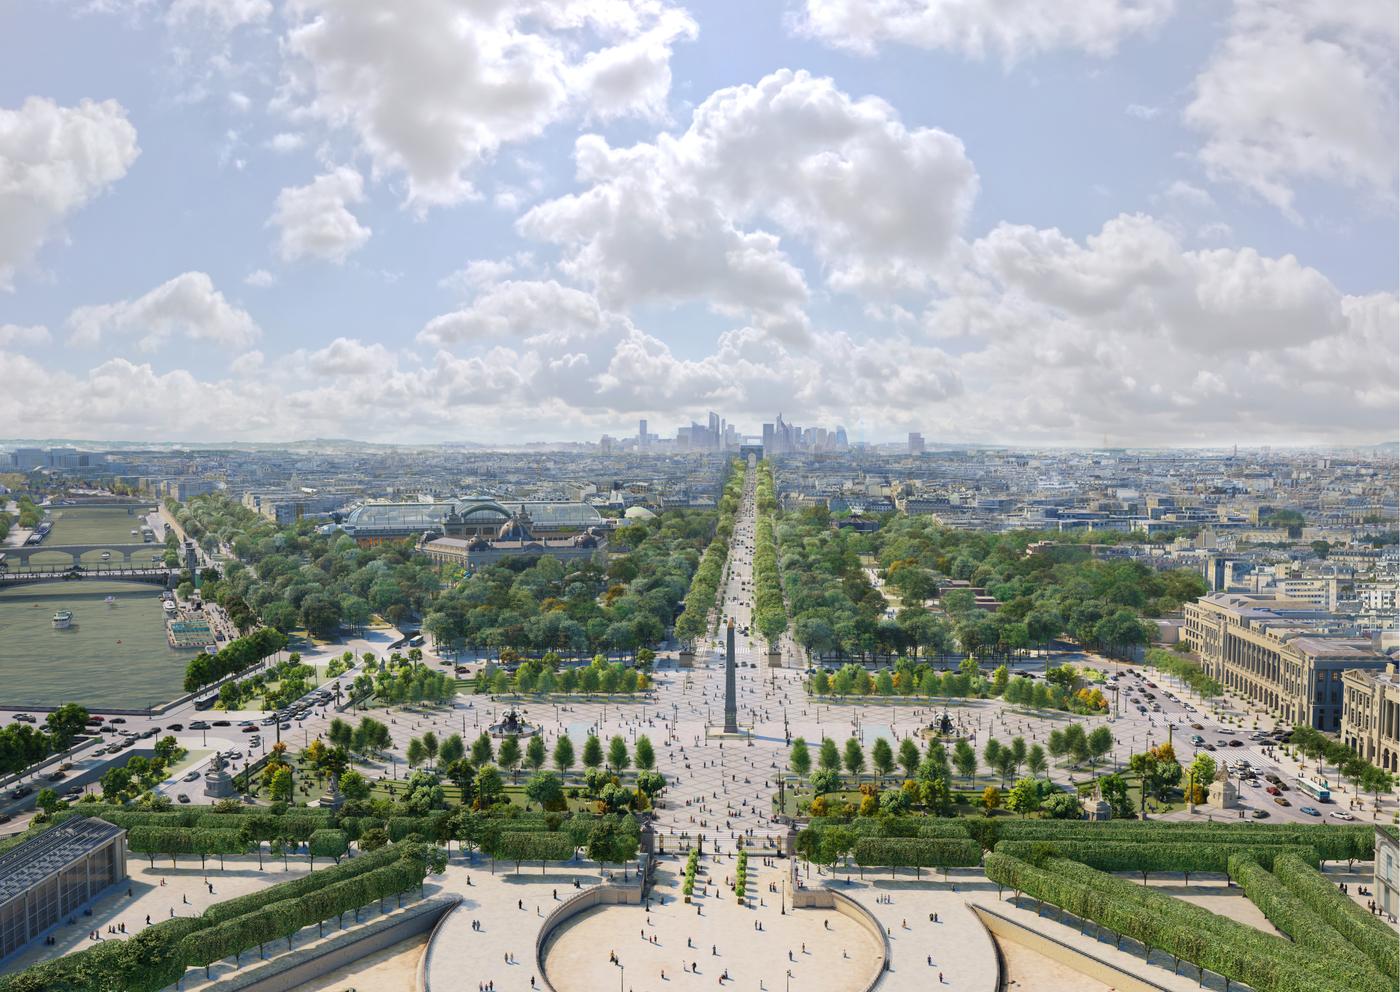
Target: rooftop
<point>35,860</point>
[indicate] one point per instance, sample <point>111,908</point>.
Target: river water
<point>114,655</point>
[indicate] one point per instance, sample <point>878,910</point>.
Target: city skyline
<point>1159,222</point>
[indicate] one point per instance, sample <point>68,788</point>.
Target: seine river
<point>115,655</point>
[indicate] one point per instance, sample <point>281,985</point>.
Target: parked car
<point>183,798</point>
<point>1281,801</point>
<point>1272,790</point>
<point>1309,810</point>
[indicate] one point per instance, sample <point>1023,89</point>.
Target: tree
<point>340,733</point>
<point>853,758</point>
<point>452,749</point>
<point>563,753</point>
<point>489,786</point>
<point>828,757</point>
<point>882,758</point>
<point>546,789</point>
<point>965,759</point>
<point>592,752</point>
<point>48,800</point>
<point>617,754</point>
<point>1114,789</point>
<point>1099,744</point>
<point>482,751</point>
<point>644,756</point>
<point>280,787</point>
<point>823,781</point>
<point>991,798</point>
<point>908,757</point>
<point>535,753</point>
<point>800,757</point>
<point>430,746</point>
<point>417,753</point>
<point>354,787</point>
<point>1024,796</point>
<point>1062,806</point>
<point>508,756</point>
<point>1035,760</point>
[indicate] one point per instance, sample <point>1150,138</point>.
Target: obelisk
<point>731,707</point>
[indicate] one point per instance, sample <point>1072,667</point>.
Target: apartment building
<point>1371,715</point>
<point>1278,654</point>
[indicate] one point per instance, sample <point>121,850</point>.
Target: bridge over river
<point>75,552</point>
<point>160,576</point>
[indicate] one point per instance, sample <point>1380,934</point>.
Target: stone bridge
<point>126,552</point>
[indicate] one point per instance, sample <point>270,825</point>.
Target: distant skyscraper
<point>641,434</point>
<point>916,443</point>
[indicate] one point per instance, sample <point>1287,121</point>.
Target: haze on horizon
<point>1164,222</point>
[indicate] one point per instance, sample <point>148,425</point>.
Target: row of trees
<point>235,656</point>
<point>770,612</point>
<point>1363,776</point>
<point>701,598</point>
<point>546,676</point>
<point>22,744</point>
<point>1064,686</point>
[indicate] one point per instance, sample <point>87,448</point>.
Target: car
<point>19,792</point>
<point>5,817</point>
<point>285,726</point>
<point>1282,801</point>
<point>150,731</point>
<point>1197,740</point>
<point>1311,811</point>
<point>117,719</point>
<point>24,718</point>
<point>1341,814</point>
<point>234,754</point>
<point>176,727</point>
<point>248,730</point>
<point>269,721</point>
<point>192,777</point>
<point>183,798</point>
<point>1273,778</point>
<point>67,766</point>
<point>222,723</point>
<point>1197,726</point>
<point>1272,790</point>
<point>199,725</point>
<point>56,776</point>
<point>1260,814</point>
<point>1237,743</point>
<point>74,792</point>
<point>1209,747</point>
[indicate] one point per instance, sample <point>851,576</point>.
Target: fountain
<point>513,725</point>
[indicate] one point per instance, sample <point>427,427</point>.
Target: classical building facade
<point>1371,715</point>
<point>1388,871</point>
<point>1278,654</point>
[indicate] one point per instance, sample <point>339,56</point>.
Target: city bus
<point>1315,788</point>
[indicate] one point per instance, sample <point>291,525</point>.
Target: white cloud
<point>1301,90</point>
<point>1142,112</point>
<point>259,279</point>
<point>1132,334</point>
<point>53,161</point>
<point>222,14</point>
<point>345,356</point>
<point>314,221</point>
<point>433,88</point>
<point>16,335</point>
<point>1187,194</point>
<point>678,220</point>
<point>187,305</point>
<point>478,274</point>
<point>284,142</point>
<point>1010,29</point>
<point>518,309</point>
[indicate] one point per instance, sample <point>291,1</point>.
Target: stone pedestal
<point>775,659</point>
<point>218,784</point>
<point>686,659</point>
<point>1223,794</point>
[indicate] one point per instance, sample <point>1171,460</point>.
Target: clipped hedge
<point>533,845</point>
<point>1116,855</point>
<point>1239,952</point>
<point>282,919</point>
<point>184,840</point>
<point>255,901</point>
<point>1366,932</point>
<point>329,844</point>
<point>1331,842</point>
<point>147,961</point>
<point>1289,913</point>
<point>916,852</point>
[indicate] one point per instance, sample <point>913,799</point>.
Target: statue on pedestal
<point>1223,794</point>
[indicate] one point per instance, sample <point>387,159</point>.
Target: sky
<point>1156,222</point>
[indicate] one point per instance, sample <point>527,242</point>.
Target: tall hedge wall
<point>1376,940</point>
